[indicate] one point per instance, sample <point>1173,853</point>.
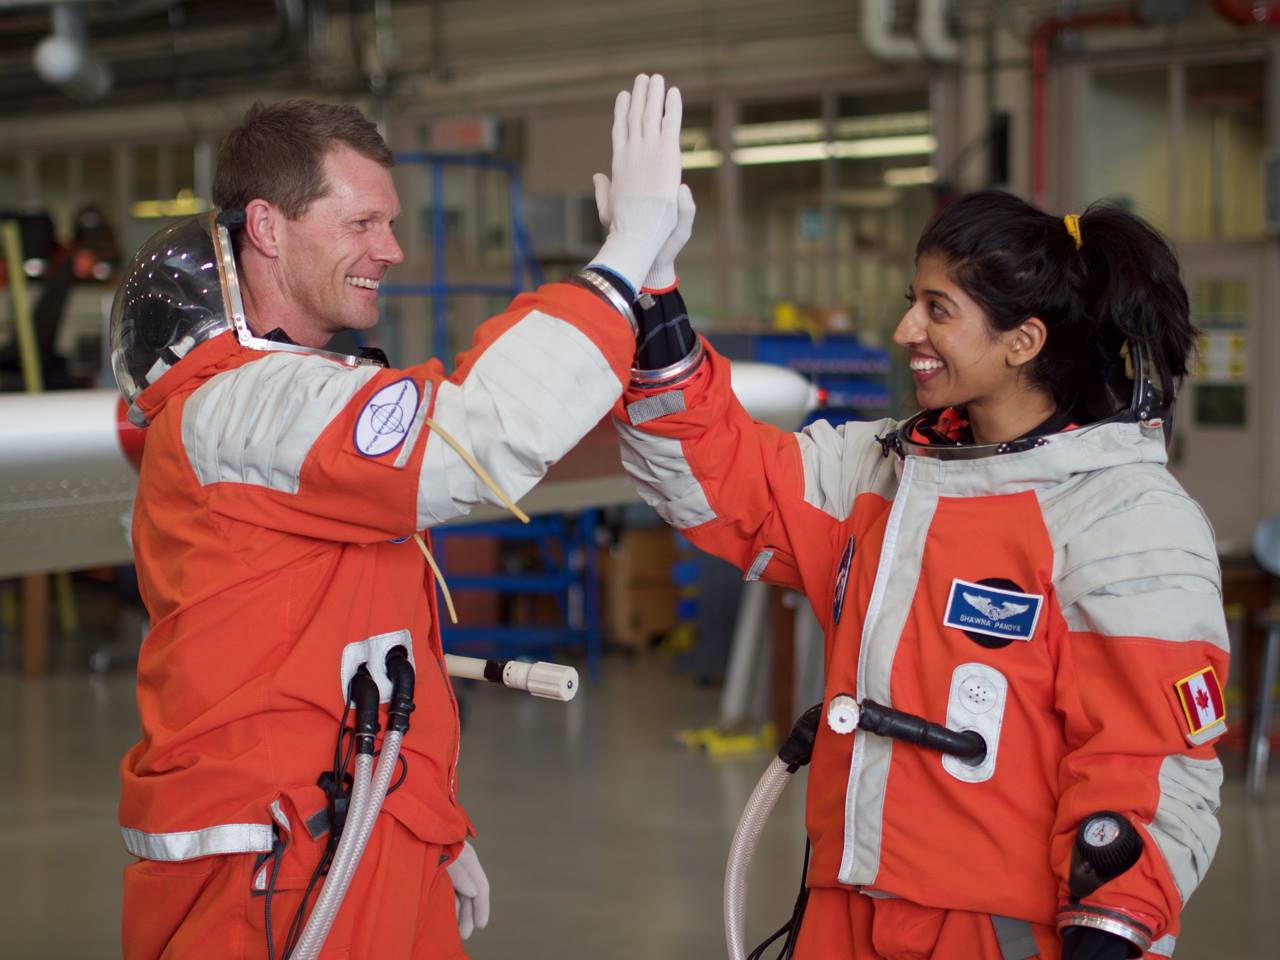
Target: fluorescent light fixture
<point>781,153</point>
<point>183,205</point>
<point>782,131</point>
<point>866,149</point>
<point>872,147</point>
<point>883,125</point>
<point>909,176</point>
<point>701,159</point>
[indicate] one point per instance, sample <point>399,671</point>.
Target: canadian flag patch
<point>1201,698</point>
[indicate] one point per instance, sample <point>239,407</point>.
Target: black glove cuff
<point>1106,921</point>
<point>667,349</point>
<point>1087,943</point>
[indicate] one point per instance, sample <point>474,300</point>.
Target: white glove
<point>470,891</point>
<point>646,176</point>
<point>663,272</point>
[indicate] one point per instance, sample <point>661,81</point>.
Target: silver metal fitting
<point>671,375</point>
<point>1108,921</point>
<point>589,278</point>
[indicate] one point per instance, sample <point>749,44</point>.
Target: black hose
<point>887,722</point>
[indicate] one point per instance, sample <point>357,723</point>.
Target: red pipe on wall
<point>1248,14</point>
<point>1041,37</point>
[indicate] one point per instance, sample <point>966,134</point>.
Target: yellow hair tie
<point>1073,227</point>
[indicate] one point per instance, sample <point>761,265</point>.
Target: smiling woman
<point>1013,561</point>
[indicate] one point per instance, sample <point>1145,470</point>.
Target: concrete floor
<point>602,837</point>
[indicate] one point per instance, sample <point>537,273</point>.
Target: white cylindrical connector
<point>843,713</point>
<point>465,668</point>
<point>551,681</point>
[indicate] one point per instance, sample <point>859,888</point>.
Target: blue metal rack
<point>566,547</point>
<point>568,573</point>
<point>523,265</point>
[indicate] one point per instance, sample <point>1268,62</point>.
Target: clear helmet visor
<point>176,293</point>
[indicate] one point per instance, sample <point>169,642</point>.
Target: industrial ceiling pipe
<point>1248,14</point>
<point>932,34</point>
<point>878,38</point>
<point>1041,37</point>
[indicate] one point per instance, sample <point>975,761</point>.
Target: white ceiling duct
<point>932,40</point>
<point>64,59</point>
<point>878,37</point>
<point>932,34</point>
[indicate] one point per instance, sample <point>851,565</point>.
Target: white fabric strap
<point>189,844</point>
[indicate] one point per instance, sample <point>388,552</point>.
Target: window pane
<point>1127,149</point>
<point>1221,182</point>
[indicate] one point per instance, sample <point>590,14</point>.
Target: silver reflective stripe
<point>514,415</point>
<point>659,405</point>
<point>1164,946</point>
<point>1185,827</point>
<point>189,844</point>
<point>1016,938</point>
<point>840,463</point>
<point>419,418</point>
<point>758,566</point>
<point>663,477</point>
<point>1209,733</point>
<point>256,424</point>
<point>891,600</point>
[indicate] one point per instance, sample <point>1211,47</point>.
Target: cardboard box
<point>639,596</point>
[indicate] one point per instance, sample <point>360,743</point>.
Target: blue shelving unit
<point>567,572</point>
<point>565,545</point>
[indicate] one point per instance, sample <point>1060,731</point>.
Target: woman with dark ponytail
<point>1016,562</point>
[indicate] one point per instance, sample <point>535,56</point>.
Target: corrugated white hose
<point>331,894</point>
<point>358,829</point>
<point>743,850</point>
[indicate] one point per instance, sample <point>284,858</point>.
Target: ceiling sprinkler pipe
<point>932,34</point>
<point>64,59</point>
<point>883,44</point>
<point>1041,37</point>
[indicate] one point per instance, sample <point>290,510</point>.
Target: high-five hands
<point>663,272</point>
<point>641,196</point>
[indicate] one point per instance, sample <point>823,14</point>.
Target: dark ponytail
<point>1120,287</point>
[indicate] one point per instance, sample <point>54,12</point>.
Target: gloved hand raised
<point>646,176</point>
<point>662,275</point>
<point>470,891</point>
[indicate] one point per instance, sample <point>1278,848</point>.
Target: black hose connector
<point>363,692</point>
<point>400,671</point>
<point>887,722</point>
<point>798,749</point>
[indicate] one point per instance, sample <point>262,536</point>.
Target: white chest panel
<point>976,703</point>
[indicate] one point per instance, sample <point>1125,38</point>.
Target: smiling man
<point>281,489</point>
<point>315,184</point>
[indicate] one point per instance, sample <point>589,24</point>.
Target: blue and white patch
<point>386,418</point>
<point>992,611</point>
<point>842,582</point>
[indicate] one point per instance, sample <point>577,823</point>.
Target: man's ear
<point>1026,341</point>
<point>261,227</point>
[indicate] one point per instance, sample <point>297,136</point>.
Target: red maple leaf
<point>1202,699</point>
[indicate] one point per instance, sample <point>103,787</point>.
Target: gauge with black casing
<point>1106,846</point>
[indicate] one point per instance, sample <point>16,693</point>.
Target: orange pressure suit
<point>1060,595</point>
<point>272,530</point>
